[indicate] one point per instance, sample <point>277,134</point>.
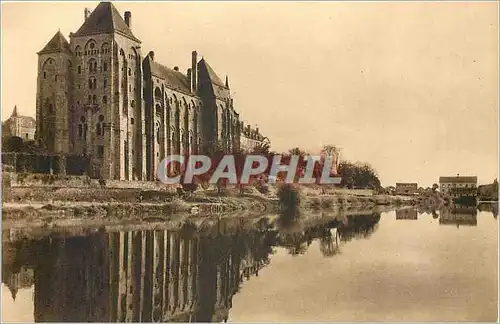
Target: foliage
<point>13,144</point>
<point>289,196</point>
<point>358,175</point>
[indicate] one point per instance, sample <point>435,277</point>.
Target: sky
<point>411,88</point>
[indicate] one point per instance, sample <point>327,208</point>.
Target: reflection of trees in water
<point>358,226</point>
<point>329,246</point>
<point>489,207</point>
<point>162,275</point>
<point>297,239</point>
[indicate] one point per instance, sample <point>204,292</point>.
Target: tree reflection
<point>358,226</point>
<point>180,274</point>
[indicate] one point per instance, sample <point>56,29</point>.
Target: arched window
<point>100,126</point>
<point>51,108</point>
<point>89,99</point>
<point>79,69</point>
<point>104,66</point>
<point>129,71</point>
<point>131,121</point>
<point>157,132</point>
<point>78,51</point>
<point>104,99</point>
<point>132,103</point>
<point>105,83</point>
<point>92,65</point>
<point>158,95</point>
<point>94,99</point>
<point>104,48</point>
<point>44,75</point>
<point>82,127</point>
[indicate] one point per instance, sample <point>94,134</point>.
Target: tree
<point>13,144</point>
<point>435,187</point>
<point>297,151</point>
<point>358,175</point>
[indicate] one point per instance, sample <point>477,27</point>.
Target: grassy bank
<point>53,206</point>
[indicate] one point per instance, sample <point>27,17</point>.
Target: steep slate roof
<point>457,179</point>
<point>15,116</point>
<point>175,79</point>
<point>105,19</point>
<point>211,73</point>
<point>57,44</point>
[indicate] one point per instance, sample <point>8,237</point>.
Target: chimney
<point>176,68</point>
<point>87,13</point>
<point>152,55</point>
<point>194,71</point>
<point>128,18</point>
<point>257,129</point>
<point>189,79</point>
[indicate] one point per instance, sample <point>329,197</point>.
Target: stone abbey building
<point>99,95</point>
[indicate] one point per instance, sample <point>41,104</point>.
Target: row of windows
<point>92,52</point>
<point>82,127</point>
<point>92,99</point>
<point>92,67</point>
<point>454,185</point>
<point>91,49</point>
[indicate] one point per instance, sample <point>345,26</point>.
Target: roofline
<point>114,31</point>
<point>53,51</point>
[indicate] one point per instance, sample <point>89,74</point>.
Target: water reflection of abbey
<point>136,276</point>
<point>155,275</point>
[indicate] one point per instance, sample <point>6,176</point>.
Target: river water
<point>356,266</point>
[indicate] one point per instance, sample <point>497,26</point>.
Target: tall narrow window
<point>105,66</point>
<point>45,75</point>
<point>100,151</point>
<point>105,83</point>
<point>79,69</point>
<point>89,99</point>
<point>94,99</point>
<point>104,99</point>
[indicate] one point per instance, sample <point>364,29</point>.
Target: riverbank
<point>46,206</point>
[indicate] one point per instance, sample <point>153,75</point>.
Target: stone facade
<point>406,188</point>
<point>251,138</point>
<point>458,186</point>
<point>20,126</point>
<point>98,95</point>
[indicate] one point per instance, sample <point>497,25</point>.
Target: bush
<point>289,196</point>
<point>190,187</point>
<point>262,188</point>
